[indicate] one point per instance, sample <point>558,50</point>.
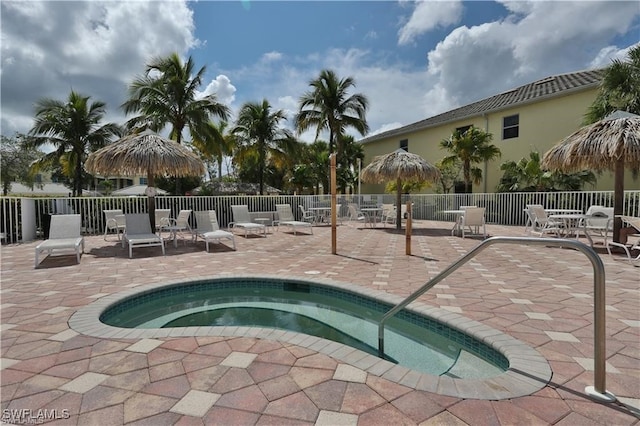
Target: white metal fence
<point>501,208</point>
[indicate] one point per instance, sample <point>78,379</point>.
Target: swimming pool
<point>427,341</point>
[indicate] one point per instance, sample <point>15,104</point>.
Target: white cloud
<point>428,15</point>
<point>538,39</point>
<point>95,48</point>
<point>222,88</point>
<point>272,56</point>
<point>385,127</point>
<point>608,54</point>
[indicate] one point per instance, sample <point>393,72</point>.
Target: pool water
<point>411,340</point>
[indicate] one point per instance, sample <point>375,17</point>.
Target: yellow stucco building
<point>532,117</point>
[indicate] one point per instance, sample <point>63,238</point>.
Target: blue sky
<point>411,59</point>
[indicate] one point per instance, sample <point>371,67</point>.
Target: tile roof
<point>537,90</point>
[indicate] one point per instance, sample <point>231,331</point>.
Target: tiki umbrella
<point>398,166</point>
<point>145,153</point>
<point>612,143</point>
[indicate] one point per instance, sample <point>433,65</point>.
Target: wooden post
<point>408,230</point>
<point>333,205</point>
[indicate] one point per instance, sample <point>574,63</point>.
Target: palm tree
<point>619,88</point>
<point>318,153</point>
<point>329,107</point>
<point>348,162</point>
<point>73,128</point>
<point>258,130</point>
<point>471,146</point>
<point>168,94</point>
<point>217,145</point>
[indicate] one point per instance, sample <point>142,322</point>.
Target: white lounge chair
<point>388,214</point>
<point>531,218</point>
<point>242,220</point>
<point>64,235</point>
<point>600,222</point>
<point>162,218</point>
<point>473,219</point>
<point>286,218</point>
<point>138,233</point>
<point>179,225</point>
<point>208,229</point>
<point>541,224</point>
<point>634,224</point>
<point>308,216</point>
<point>355,213</point>
<point>114,220</point>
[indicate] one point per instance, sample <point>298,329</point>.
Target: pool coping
<point>528,370</point>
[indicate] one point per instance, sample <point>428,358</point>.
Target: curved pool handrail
<point>598,391</point>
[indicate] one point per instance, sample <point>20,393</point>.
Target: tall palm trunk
<point>261,160</point>
<point>77,190</point>
<point>178,179</point>
<point>467,177</point>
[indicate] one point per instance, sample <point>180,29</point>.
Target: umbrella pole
<point>618,198</point>
<point>408,230</point>
<point>399,204</point>
<point>151,201</point>
<point>333,205</point>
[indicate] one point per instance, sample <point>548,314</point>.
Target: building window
<point>143,181</point>
<point>463,129</point>
<point>404,144</point>
<point>510,126</point>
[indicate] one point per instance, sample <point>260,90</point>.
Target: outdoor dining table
<point>573,223</point>
<point>529,224</point>
<point>456,226</point>
<point>321,214</point>
<point>563,211</point>
<point>372,214</point>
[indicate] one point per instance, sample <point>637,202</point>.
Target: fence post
<point>28,215</point>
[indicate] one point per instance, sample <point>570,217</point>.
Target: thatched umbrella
<point>398,166</point>
<point>612,143</point>
<point>145,153</point>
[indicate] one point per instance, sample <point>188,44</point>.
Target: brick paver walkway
<point>540,295</point>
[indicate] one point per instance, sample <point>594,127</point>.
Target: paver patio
<point>542,296</point>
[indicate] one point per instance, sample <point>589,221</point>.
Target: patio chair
<point>179,225</point>
<point>114,220</point>
<point>286,218</point>
<point>388,214</point>
<point>473,219</point>
<point>632,223</point>
<point>242,220</point>
<point>307,216</point>
<point>540,222</point>
<point>528,226</point>
<point>208,229</point>
<point>64,236</point>
<point>601,221</point>
<point>162,218</point>
<point>138,233</point>
<point>355,213</point>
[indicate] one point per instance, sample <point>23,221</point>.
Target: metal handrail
<point>598,391</point>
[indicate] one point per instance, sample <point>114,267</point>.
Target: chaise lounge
<point>208,229</point>
<point>64,236</point>
<point>242,220</point>
<point>286,218</point>
<point>138,233</point>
